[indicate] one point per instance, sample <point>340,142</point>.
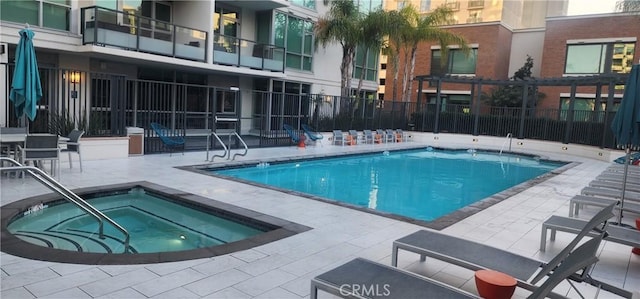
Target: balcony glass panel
<point>108,27</point>
<point>231,50</point>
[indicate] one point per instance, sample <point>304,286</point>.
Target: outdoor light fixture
<point>74,78</point>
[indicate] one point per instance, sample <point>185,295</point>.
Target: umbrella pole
<point>624,183</point>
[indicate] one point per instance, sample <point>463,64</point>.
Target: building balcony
<point>453,5</point>
<point>106,27</point>
<point>235,51</point>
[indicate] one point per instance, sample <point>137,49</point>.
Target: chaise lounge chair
<point>312,134</point>
<point>169,139</point>
<point>615,185</point>
<point>476,256</point>
<point>615,233</point>
<point>295,137</point>
<point>361,278</point>
<point>576,202</point>
<point>611,193</point>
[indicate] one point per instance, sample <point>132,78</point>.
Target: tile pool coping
<point>279,229</point>
<point>437,224</point>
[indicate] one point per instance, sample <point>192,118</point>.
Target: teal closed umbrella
<point>626,124</point>
<point>26,89</point>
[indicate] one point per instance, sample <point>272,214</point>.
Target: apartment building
<point>503,33</point>
<point>240,48</point>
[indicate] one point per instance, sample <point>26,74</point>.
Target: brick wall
<point>559,30</point>
<point>494,45</point>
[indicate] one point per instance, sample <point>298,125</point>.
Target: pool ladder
<point>67,194</point>
<point>227,149</point>
<point>509,138</point>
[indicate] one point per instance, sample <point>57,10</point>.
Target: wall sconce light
<point>475,139</point>
<point>74,78</point>
<point>520,143</point>
<point>436,137</point>
<point>564,148</point>
<point>600,154</point>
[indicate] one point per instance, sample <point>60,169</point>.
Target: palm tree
<point>341,25</point>
<point>372,38</point>
<point>628,5</point>
<point>396,24</point>
<point>426,28</point>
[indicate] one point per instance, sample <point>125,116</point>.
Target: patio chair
<point>38,148</point>
<point>386,137</point>
<point>475,256</point>
<point>615,233</point>
<point>355,137</point>
<point>73,146</point>
<point>169,140</point>
<point>312,134</point>
<point>355,278</point>
<point>295,137</point>
<point>394,135</point>
<point>370,137</point>
<point>341,138</point>
<point>403,135</point>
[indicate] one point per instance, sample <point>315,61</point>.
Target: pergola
<point>476,83</point>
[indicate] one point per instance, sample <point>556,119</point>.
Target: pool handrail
<point>246,148</point>
<point>67,194</point>
<point>224,147</point>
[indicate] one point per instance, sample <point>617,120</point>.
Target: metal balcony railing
<point>475,4</point>
<point>107,27</point>
<point>235,51</point>
<point>453,5</point>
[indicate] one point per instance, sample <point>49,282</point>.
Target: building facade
<point>227,56</point>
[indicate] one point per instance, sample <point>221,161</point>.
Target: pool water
<point>155,225</point>
<point>420,184</point>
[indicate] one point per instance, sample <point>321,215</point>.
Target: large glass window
<point>367,6</point>
<point>55,13</point>
<point>425,5</point>
<point>458,63</point>
<point>599,58</point>
<point>585,109</point>
<point>296,35</point>
<point>311,4</point>
<point>368,64</point>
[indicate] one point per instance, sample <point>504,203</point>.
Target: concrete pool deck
<point>283,269</point>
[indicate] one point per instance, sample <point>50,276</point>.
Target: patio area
<point>283,269</point>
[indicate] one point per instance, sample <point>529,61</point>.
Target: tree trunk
<point>345,72</point>
<point>405,74</point>
<point>395,61</point>
<point>409,90</point>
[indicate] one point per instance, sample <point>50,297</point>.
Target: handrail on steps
<point>55,186</point>
<point>226,150</point>
<point>246,148</point>
<point>508,138</point>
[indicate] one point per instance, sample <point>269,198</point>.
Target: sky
<point>582,7</point>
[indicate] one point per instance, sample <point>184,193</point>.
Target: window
<point>400,4</point>
<point>585,109</point>
<point>383,66</point>
<point>599,58</point>
<point>296,36</point>
<point>457,64</point>
<point>366,6</point>
<point>55,14</point>
<point>311,4</point>
<point>226,22</point>
<point>425,5</point>
<point>368,64</point>
<point>383,81</point>
<point>225,101</point>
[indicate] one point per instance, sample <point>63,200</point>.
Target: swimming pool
<point>420,184</point>
<point>164,225</point>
